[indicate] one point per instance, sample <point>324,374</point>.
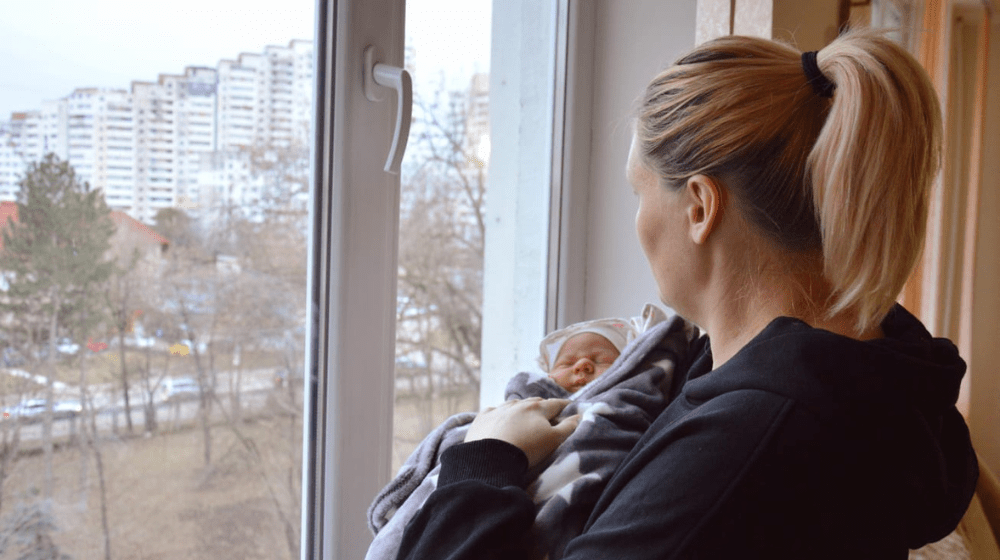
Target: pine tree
<point>54,259</point>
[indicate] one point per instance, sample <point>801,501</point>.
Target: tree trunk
<point>204,402</point>
<point>121,345</point>
<point>149,406</point>
<point>235,384</point>
<point>50,395</point>
<point>93,440</point>
<point>83,443</point>
<point>9,453</point>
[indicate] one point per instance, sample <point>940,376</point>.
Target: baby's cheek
<point>559,376</point>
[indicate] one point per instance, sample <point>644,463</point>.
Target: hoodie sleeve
<point>479,511</point>
<point>652,509</point>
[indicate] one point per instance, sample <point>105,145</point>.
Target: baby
<point>576,355</point>
<point>616,411</point>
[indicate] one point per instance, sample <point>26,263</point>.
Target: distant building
<point>175,121</point>
<point>228,186</point>
<point>134,237</point>
<point>477,120</point>
<point>152,146</point>
<point>100,141</point>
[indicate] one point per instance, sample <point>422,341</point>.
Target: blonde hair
<point>848,177</point>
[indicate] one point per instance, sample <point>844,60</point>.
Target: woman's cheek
<point>642,231</point>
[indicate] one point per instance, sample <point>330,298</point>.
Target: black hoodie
<point>805,444</point>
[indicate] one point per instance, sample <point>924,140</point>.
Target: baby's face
<point>581,359</point>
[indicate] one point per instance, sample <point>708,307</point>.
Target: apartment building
<point>91,128</point>
<point>477,119</point>
<point>11,164</point>
<point>175,123</point>
<point>173,142</point>
<point>100,144</point>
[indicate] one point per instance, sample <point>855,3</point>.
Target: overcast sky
<point>50,47</point>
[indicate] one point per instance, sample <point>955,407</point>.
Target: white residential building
<point>11,165</point>
<point>153,147</point>
<point>239,83</point>
<point>175,126</point>
<point>156,143</point>
<point>228,187</point>
<point>477,120</point>
<point>55,123</point>
<point>90,128</point>
<point>196,123</point>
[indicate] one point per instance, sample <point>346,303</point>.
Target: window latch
<point>394,77</point>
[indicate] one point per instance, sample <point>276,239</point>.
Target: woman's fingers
<point>552,407</point>
<point>566,426</point>
<point>526,424</point>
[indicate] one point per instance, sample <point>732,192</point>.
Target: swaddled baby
<point>617,371</point>
<point>576,355</point>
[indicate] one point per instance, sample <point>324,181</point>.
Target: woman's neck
<point>741,309</point>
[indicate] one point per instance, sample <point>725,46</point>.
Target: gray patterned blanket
<point>617,408</point>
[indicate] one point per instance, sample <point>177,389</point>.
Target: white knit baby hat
<point>620,331</point>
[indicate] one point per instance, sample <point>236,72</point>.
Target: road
<point>255,388</point>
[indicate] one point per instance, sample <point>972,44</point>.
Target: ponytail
<point>871,171</point>
<point>847,176</point>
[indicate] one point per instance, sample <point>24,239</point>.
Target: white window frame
<point>354,210</point>
<point>352,280</point>
<point>526,110</point>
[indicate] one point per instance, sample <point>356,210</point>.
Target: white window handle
<point>398,79</point>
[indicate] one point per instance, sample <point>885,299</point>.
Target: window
<point>157,400</point>
<point>540,160</point>
<point>353,265</point>
<point>443,187</point>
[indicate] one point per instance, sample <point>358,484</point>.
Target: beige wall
<point>632,41</point>
<point>984,357</point>
<point>807,25</point>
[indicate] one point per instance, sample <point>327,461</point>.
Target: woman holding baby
<point>782,204</point>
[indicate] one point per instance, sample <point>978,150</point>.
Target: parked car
<point>66,409</point>
<point>179,389</point>
<point>33,410</point>
<point>11,358</point>
<point>67,346</point>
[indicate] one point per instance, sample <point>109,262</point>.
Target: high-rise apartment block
<point>173,142</point>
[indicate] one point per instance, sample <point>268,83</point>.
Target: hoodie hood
<point>899,391</point>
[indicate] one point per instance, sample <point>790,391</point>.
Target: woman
<point>782,203</point>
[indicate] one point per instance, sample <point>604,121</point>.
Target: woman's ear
<point>704,210</point>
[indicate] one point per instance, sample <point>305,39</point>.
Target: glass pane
<point>439,306</point>
<point>153,194</point>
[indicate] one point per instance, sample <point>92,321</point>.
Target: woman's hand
<point>526,424</point>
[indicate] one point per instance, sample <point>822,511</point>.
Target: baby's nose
<point>584,365</point>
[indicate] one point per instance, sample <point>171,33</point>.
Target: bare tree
<point>121,302</point>
<point>188,285</point>
<point>28,529</point>
<point>90,438</point>
<point>441,253</point>
<point>10,432</point>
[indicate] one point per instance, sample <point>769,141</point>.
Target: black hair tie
<point>819,82</point>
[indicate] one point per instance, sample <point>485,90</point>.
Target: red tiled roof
<point>8,211</point>
<point>122,219</point>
